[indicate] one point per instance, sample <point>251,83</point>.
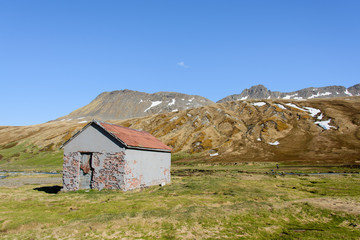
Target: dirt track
<point>20,181</point>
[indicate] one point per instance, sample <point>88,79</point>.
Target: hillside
<point>125,104</point>
<point>282,130</point>
<point>317,131</point>
<point>261,92</point>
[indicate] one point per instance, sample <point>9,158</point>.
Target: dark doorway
<point>86,171</point>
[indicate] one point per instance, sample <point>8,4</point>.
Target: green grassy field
<point>202,202</point>
<point>26,157</point>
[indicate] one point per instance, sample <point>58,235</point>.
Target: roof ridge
<point>121,126</point>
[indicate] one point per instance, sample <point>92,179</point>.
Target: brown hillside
<point>126,104</point>
<point>264,130</point>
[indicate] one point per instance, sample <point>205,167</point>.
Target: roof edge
<point>150,149</point>
<point>99,124</point>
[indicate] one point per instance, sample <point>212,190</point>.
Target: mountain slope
<point>261,92</point>
<point>316,130</point>
<point>125,104</point>
<point>281,130</point>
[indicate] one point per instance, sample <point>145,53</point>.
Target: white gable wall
<point>91,140</point>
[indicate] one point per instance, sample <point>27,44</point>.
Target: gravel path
<point>20,181</point>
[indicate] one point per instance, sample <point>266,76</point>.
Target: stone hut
<point>106,156</point>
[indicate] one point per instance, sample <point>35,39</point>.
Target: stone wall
<point>71,171</point>
<point>107,169</point>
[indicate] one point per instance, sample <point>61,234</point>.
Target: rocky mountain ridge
<point>261,92</point>
<point>126,103</point>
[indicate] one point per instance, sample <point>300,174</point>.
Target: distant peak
<point>258,86</point>
<point>261,92</point>
<point>126,91</point>
<point>123,91</point>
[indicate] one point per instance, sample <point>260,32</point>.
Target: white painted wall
<point>150,167</point>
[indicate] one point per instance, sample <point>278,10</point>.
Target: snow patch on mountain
<point>172,102</point>
<point>313,111</point>
<point>258,104</point>
<point>153,104</point>
<point>325,124</point>
<point>294,106</point>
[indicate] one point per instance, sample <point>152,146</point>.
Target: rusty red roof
<point>134,138</point>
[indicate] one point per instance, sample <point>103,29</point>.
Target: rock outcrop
<point>261,92</point>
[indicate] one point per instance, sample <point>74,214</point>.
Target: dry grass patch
<point>336,204</point>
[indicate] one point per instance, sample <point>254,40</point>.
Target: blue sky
<point>57,56</point>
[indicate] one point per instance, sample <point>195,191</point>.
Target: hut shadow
<point>49,189</point>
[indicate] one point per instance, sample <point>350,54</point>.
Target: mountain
<point>261,92</point>
<point>323,131</point>
<point>125,104</point>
